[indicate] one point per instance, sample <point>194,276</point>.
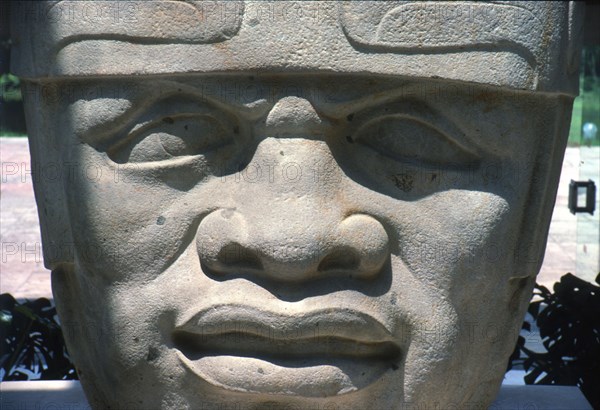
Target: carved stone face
<point>332,240</point>
<point>341,240</point>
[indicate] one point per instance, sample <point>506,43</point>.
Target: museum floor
<point>573,242</point>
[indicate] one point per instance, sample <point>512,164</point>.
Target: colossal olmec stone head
<point>294,204</point>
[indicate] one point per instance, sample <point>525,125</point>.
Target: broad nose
<point>230,243</point>
<point>289,222</point>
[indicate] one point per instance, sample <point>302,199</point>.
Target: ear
<point>49,171</point>
<point>531,243</point>
<point>70,300</point>
<point>548,163</point>
<point>67,297</point>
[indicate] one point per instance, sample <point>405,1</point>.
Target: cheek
<point>449,267</point>
<point>456,236</point>
<point>128,222</point>
<point>135,352</point>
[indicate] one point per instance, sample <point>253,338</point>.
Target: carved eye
<point>408,139</point>
<point>173,136</point>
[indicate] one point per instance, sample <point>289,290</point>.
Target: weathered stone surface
<point>342,205</point>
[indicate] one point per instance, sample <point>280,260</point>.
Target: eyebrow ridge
<point>330,109</point>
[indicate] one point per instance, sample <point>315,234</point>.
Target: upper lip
<point>249,331</point>
<point>334,322</point>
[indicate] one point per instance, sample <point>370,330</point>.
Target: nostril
<point>363,239</point>
<point>234,255</point>
<point>340,260</point>
<point>357,246</point>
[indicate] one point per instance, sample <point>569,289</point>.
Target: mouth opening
<point>269,348</point>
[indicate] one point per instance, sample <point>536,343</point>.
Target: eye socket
<point>408,139</point>
<point>171,137</point>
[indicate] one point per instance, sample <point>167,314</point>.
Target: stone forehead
<point>519,45</point>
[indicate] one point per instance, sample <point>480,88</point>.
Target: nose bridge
<point>292,157</point>
<point>293,206</point>
<point>289,220</point>
<point>294,116</point>
<point>293,220</point>
<point>295,199</point>
<point>288,200</point>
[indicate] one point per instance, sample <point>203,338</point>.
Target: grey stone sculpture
<point>294,204</point>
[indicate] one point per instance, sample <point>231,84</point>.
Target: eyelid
<point>250,111</point>
<point>155,114</point>
<point>418,111</point>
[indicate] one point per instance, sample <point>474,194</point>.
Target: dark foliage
<point>568,320</point>
<point>569,324</point>
<point>32,344</point>
<point>12,113</point>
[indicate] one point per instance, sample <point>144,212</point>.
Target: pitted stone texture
<point>322,234</point>
<point>534,41</point>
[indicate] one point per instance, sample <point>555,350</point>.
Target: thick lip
<point>246,331</point>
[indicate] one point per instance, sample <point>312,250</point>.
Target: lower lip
<point>310,377</point>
